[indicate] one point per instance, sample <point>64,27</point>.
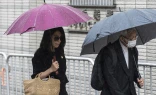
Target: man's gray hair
<point>125,32</point>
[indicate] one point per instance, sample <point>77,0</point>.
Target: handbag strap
<point>38,76</point>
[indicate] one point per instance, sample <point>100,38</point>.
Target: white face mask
<point>131,44</point>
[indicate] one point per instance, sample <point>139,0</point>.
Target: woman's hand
<point>54,66</point>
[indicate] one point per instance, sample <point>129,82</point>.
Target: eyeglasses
<point>56,38</point>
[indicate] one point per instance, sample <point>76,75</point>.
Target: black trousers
<point>63,90</point>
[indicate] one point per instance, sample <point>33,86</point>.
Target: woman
<point>49,59</point>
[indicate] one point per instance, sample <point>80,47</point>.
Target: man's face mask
<point>131,43</point>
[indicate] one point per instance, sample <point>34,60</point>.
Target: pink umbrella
<point>47,16</point>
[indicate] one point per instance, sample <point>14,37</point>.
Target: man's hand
<point>141,82</point>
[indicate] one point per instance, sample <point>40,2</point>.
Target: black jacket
<point>119,79</point>
<point>42,60</point>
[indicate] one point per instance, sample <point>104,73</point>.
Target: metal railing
<point>20,68</point>
<point>78,72</point>
<point>148,72</point>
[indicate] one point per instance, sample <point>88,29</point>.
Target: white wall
<point>29,42</point>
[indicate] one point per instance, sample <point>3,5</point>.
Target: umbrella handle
<point>44,1</point>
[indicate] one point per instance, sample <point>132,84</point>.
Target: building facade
<point>75,34</point>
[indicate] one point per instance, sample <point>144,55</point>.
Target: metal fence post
<point>7,74</point>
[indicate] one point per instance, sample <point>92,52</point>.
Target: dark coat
<point>119,79</point>
<point>42,60</point>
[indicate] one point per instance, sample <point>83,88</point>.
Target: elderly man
<point>120,78</point>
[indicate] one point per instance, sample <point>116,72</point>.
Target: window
<point>92,3</point>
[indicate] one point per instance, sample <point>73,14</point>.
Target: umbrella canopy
<point>108,30</point>
<point>47,16</point>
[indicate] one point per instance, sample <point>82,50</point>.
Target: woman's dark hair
<point>46,42</point>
